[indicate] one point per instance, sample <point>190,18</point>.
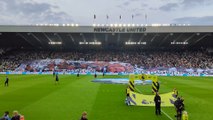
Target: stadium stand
<point>160,60</point>
<point>138,49</point>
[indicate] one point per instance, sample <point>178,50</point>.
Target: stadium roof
<point>106,37</point>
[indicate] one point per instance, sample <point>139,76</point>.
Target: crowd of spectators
<point>11,60</point>
<point>2,51</point>
<point>141,59</point>
<point>15,116</point>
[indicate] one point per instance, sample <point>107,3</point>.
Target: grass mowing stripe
<point>66,103</point>
<point>44,100</point>
<point>26,94</point>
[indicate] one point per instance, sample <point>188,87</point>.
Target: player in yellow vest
<point>127,91</point>
<point>185,116</point>
<point>127,96</point>
<point>175,92</point>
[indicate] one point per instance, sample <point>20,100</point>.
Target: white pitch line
<point>167,115</point>
<point>161,109</point>
<point>138,90</point>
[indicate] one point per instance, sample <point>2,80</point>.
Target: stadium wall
<point>107,29</point>
<point>98,73</point>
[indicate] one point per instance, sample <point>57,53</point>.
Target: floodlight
<point>55,43</point>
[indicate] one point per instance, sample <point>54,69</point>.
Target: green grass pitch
<point>38,98</point>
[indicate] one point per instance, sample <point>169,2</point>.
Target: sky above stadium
<point>194,12</point>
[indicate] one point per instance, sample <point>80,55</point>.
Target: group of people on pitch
<point>179,106</point>
<point>16,116</point>
<point>181,114</point>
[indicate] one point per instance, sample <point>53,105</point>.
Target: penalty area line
<point>166,115</point>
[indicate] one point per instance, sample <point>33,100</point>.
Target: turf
<point>38,98</point>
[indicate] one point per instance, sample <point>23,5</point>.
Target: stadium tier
<point>114,62</point>
<point>105,37</point>
<point>89,49</point>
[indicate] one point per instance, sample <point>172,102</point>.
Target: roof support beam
<point>59,37</point>
<point>47,37</point>
<point>164,39</point>
<point>189,38</point>
<point>142,36</point>
<point>118,39</point>
<point>37,39</point>
<point>22,36</point>
<point>94,36</point>
<point>130,37</point>
<point>178,37</point>
<point>71,37</point>
<point>200,39</point>
<point>83,37</point>
<point>106,37</point>
<point>154,37</point>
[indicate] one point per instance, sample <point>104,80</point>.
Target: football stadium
<point>111,71</point>
<point>94,65</point>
